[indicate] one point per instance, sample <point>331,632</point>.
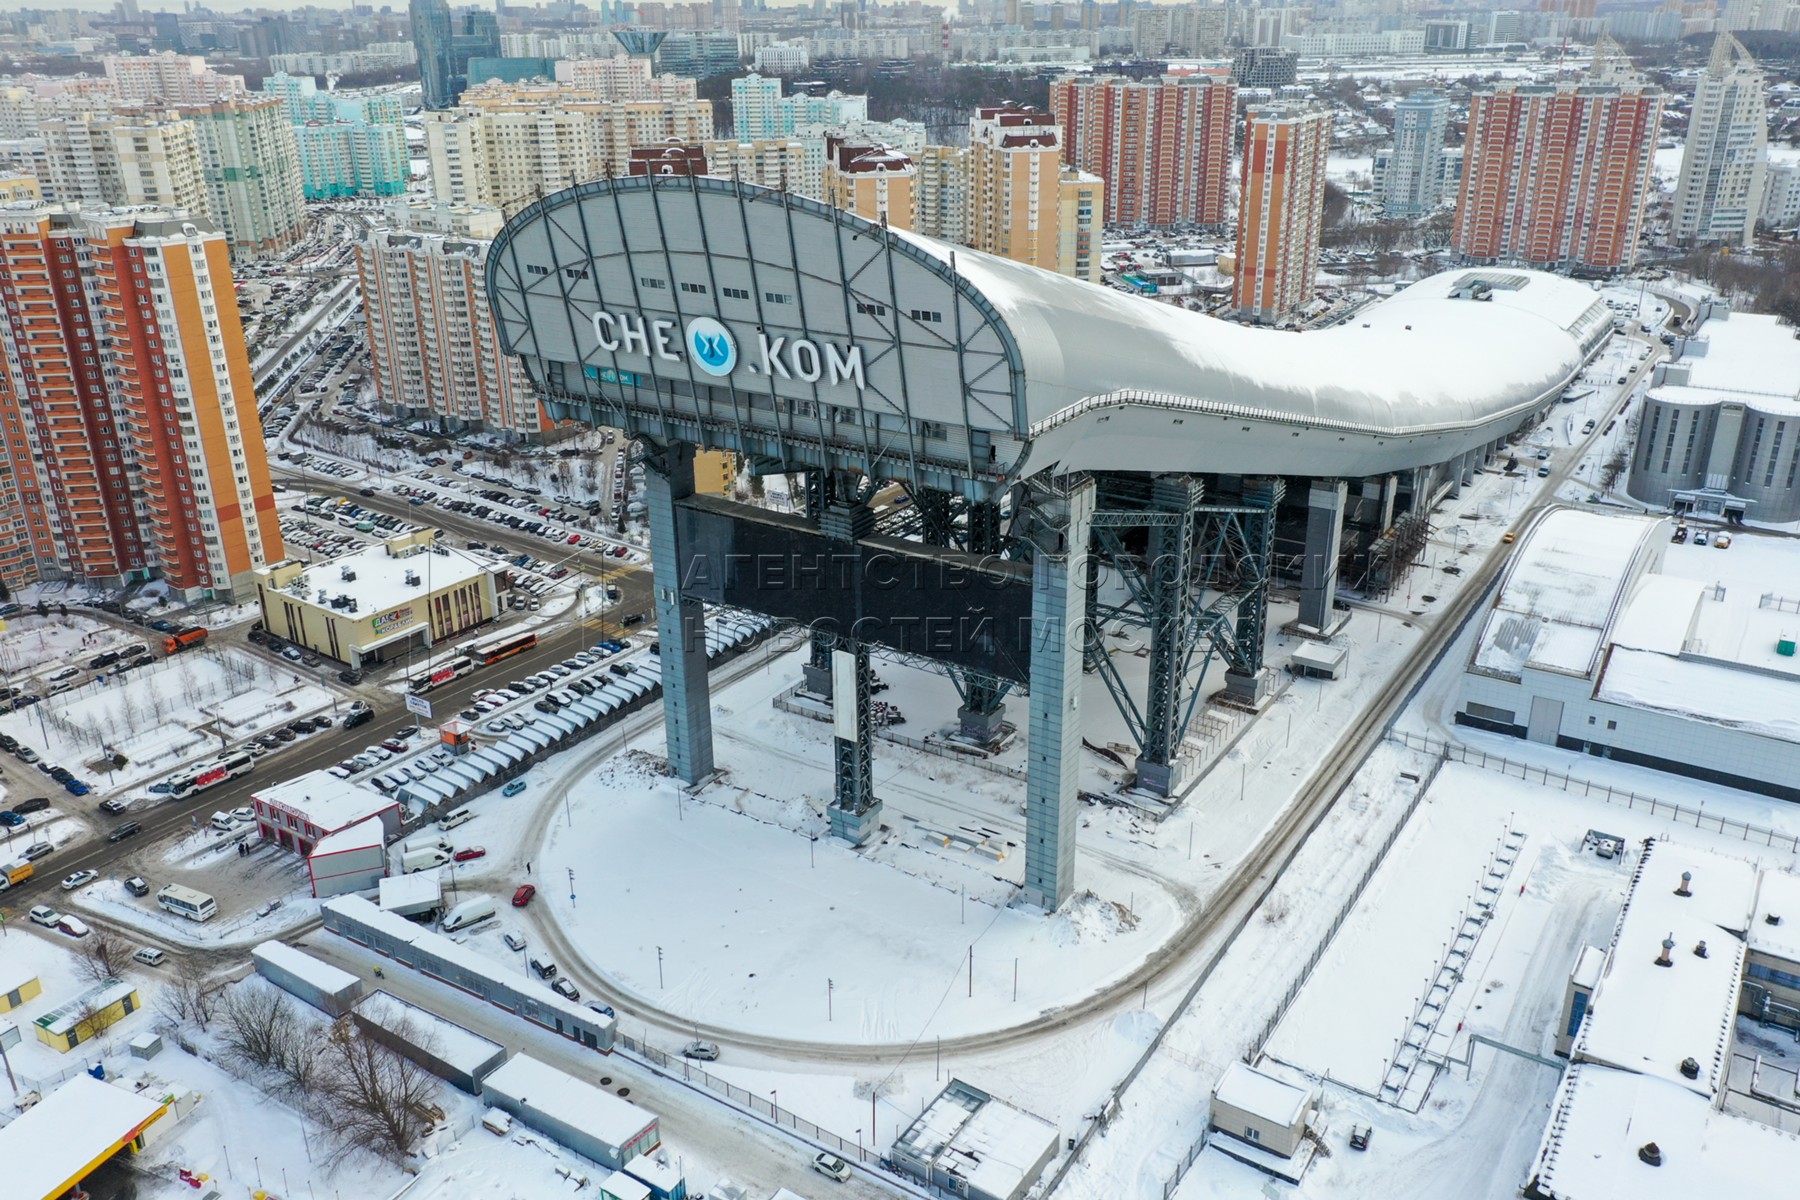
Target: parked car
<point>704,1051</point>
<point>832,1167</point>
<point>565,989</point>
<point>469,854</point>
<point>605,1010</point>
<point>522,896</point>
<point>137,885</point>
<point>73,926</point>
<point>513,788</point>
<point>514,941</point>
<point>43,914</point>
<point>114,806</point>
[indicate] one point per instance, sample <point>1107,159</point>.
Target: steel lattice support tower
<point>680,621</point>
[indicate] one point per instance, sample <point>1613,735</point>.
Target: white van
<point>150,956</point>
<point>426,841</point>
<point>469,912</point>
<point>461,816</point>
<point>224,822</point>
<point>422,860</point>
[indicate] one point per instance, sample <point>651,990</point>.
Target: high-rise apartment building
<point>877,183</point>
<point>1281,209</point>
<point>250,163</point>
<point>621,77</point>
<point>439,81</point>
<point>1021,203</point>
<point>759,110</point>
<point>431,334</point>
<point>780,163</point>
<point>506,146</point>
<point>131,443</point>
<point>169,79</point>
<point>943,192</point>
<point>1412,185</point>
<point>1556,175</point>
<point>1163,146</point>
<point>1719,193</point>
<point>350,143</point>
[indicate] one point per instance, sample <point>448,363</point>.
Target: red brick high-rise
<point>1282,209</point>
<point>129,437</point>
<point>1163,146</point>
<point>1556,175</point>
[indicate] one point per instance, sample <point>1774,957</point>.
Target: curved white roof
<point>1420,360</point>
<point>975,370</point>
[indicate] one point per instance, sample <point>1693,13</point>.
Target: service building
<point>299,814</point>
<point>588,1120</point>
<point>970,1143</point>
<point>403,594</point>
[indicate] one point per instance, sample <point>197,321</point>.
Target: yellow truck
<point>14,872</point>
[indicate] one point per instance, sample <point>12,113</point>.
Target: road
<point>311,753</point>
<point>692,1118</point>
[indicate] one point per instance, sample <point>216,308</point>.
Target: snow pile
<point>1086,917</point>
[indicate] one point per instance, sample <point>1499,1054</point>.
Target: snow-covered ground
<point>179,710</point>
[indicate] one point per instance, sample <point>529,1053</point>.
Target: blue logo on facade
<point>712,346</point>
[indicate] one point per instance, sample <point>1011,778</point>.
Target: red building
<point>1163,146</point>
<point>1282,211</point>
<point>1556,175</point>
<point>296,814</point>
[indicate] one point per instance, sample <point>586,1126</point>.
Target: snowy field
<point>180,710</point>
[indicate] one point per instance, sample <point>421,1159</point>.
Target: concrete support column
<point>1390,489</point>
<point>1324,537</point>
<point>1059,584</point>
<point>680,621</point>
<point>1470,462</point>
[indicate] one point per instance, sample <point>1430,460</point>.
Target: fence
<point>1779,603</point>
<point>1343,914</point>
<point>1680,814</point>
<point>754,1103</point>
<point>1305,972</point>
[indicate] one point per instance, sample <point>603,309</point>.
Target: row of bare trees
<point>367,1099</point>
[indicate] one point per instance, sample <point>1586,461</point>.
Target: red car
<point>470,852</point>
<point>574,539</point>
<point>523,896</point>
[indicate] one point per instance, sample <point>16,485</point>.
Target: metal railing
<point>1699,818</point>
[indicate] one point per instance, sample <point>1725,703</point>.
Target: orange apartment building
<point>1021,203</point>
<point>1163,146</point>
<point>132,446</point>
<point>877,183</point>
<point>1281,211</point>
<point>1556,175</point>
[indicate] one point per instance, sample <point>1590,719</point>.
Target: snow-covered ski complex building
<point>1036,424</point>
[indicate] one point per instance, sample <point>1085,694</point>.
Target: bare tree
<point>256,1023</point>
<point>370,1100</point>
<point>93,1019</point>
<point>103,957</point>
<point>187,997</point>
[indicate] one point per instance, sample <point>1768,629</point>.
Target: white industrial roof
<point>1777,895</point>
<point>463,1049</point>
<point>1746,352</point>
<point>1601,1117</point>
<point>1718,694</point>
<point>1660,614</point>
<point>47,1145</point>
<point>1648,1018</point>
<point>988,1142</point>
<point>303,966</point>
<point>326,801</point>
<point>380,585</point>
<point>562,1097</point>
<point>365,834</point>
<point>402,891</point>
<point>1562,589</point>
<point>1248,1090</point>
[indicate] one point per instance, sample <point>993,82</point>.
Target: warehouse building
<point>1267,1119</point>
<point>456,1055</point>
<point>1660,1101</point>
<point>1719,435</point>
<point>1589,646</point>
<point>461,967</point>
<point>406,593</point>
<point>969,1143</point>
<point>325,987</point>
<point>587,1119</point>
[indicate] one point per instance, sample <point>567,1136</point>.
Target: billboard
<point>961,610</point>
<point>392,621</point>
<point>419,705</point>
